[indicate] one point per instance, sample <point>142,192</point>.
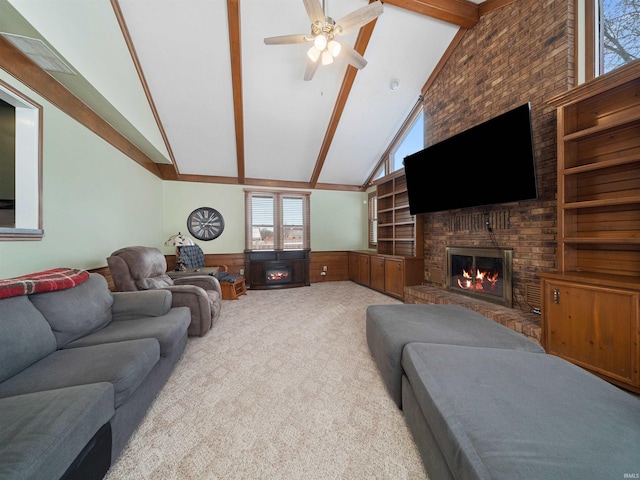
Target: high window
<point>408,140</point>
<point>277,220</point>
<point>610,30</point>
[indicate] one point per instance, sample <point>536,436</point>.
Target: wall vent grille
<point>39,52</point>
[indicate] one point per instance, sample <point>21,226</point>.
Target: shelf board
<point>600,165</point>
<point>601,203</point>
<point>601,240</point>
<point>603,128</point>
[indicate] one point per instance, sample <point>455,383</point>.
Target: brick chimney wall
<point>521,52</point>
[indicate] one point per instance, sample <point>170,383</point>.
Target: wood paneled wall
<point>337,264</point>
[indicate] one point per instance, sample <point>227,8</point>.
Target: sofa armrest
<point>206,282</point>
<point>143,303</point>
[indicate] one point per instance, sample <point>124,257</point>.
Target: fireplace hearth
<point>483,273</point>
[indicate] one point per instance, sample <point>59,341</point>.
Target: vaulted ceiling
<point>190,91</point>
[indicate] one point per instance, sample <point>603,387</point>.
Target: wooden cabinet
<point>377,263</point>
<point>385,273</point>
<point>593,322</point>
<point>394,277</point>
<point>590,306</point>
<point>399,232</point>
<point>359,271</point>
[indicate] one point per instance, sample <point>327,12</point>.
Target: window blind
<point>277,220</point>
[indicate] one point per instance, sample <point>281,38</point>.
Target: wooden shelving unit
<point>398,260</point>
<point>590,306</point>
<point>398,231</point>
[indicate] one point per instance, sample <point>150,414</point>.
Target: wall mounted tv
<point>488,164</point>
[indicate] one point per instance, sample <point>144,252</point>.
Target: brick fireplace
<point>520,52</point>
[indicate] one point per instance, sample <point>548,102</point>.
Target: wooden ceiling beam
<point>17,64</point>
<point>233,15</point>
<point>459,12</point>
<point>361,46</point>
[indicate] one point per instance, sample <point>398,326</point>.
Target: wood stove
<point>483,273</point>
<point>276,268</point>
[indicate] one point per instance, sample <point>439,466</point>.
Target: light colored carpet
<point>282,387</point>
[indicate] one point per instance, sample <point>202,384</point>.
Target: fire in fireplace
<point>483,273</point>
<point>277,274</point>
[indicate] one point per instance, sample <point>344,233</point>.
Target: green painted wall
<point>338,219</point>
<point>96,200</point>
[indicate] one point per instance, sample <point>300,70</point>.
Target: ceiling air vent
<point>39,53</point>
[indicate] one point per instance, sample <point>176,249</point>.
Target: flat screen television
<point>488,164</point>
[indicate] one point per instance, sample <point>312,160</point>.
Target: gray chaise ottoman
<point>390,327</point>
<point>485,413</point>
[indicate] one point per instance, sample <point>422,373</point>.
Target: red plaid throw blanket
<point>47,281</point>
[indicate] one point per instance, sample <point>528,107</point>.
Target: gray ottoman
<point>390,327</point>
<point>500,414</point>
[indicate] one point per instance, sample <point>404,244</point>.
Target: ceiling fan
<point>324,29</point>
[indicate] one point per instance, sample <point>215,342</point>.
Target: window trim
<point>278,227</point>
<point>28,160</point>
<point>385,164</point>
<point>372,208</point>
<point>589,59</point>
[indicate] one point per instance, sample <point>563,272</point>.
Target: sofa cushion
<point>390,327</point>
<point>508,414</point>
<point>167,329</point>
<point>42,433</point>
<point>25,336</point>
<point>77,311</point>
<point>123,364</point>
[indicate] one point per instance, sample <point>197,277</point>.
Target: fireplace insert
<point>483,273</point>
<point>277,274</point>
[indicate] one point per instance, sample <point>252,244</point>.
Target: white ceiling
<point>184,55</point>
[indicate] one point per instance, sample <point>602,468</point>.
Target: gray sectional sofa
<point>484,402</point>
<point>79,367</point>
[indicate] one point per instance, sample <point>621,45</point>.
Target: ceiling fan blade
<point>358,18</point>
<point>310,69</point>
<point>314,10</point>
<point>352,56</point>
<point>288,39</point>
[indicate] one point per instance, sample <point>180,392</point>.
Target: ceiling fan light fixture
<point>334,48</point>
<point>323,31</point>
<point>320,41</point>
<point>327,58</point>
<point>314,54</point>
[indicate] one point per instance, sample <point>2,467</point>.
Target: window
<point>277,220</point>
<point>408,140</point>
<point>610,33</point>
<point>20,166</point>
<point>412,141</point>
<point>373,219</point>
<point>619,35</point>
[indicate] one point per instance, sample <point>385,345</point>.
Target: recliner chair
<point>144,268</point>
